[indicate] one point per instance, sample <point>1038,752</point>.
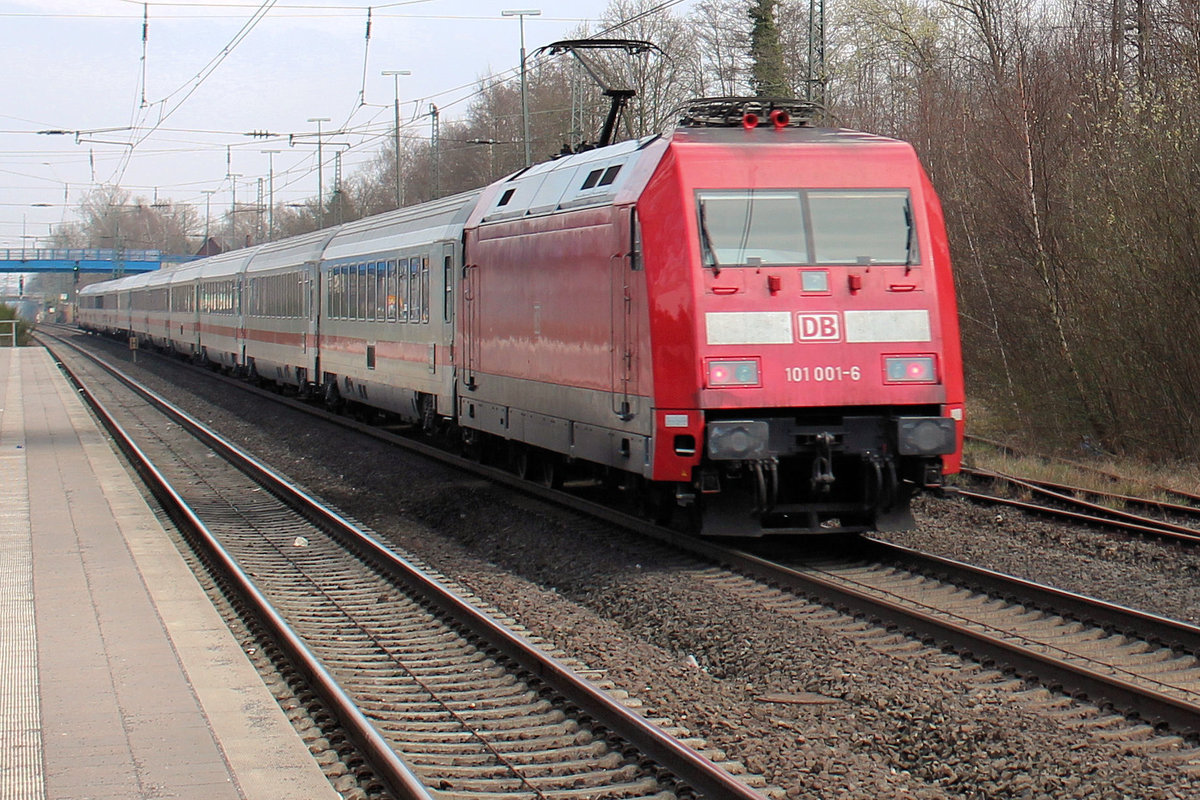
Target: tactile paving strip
<point>20,718</point>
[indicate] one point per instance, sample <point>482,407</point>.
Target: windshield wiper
<point>908,247</point>
<point>706,240</point>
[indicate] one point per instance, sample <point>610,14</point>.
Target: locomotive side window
<point>635,241</point>
<point>825,227</point>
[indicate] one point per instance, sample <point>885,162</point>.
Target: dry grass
<point>1092,471</point>
<point>1107,474</point>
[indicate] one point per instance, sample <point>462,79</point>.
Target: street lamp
<point>320,173</point>
<point>396,73</point>
<point>522,13</point>
<point>233,176</point>
<point>208,193</point>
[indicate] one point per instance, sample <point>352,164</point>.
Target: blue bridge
<point>112,261</point>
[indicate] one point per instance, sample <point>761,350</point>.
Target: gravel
<point>816,703</point>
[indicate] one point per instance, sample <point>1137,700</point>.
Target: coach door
<point>239,310</point>
<point>312,323</point>
<point>441,313</point>
<point>625,261</point>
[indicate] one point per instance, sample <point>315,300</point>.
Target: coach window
<point>367,291</point>
<point>381,291</point>
<point>403,290</point>
<point>357,289</point>
<point>425,298</point>
<point>372,292</point>
<point>364,292</point>
<point>447,290</point>
<point>415,299</point>
<point>344,290</point>
<point>391,290</point>
<point>337,292</point>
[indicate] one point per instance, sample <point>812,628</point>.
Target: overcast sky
<point>212,71</point>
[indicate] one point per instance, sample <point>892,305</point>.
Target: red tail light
<point>733,373</point>
<point>909,369</point>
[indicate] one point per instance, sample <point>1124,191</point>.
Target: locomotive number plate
<point>822,374</point>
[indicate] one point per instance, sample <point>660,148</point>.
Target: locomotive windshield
<point>824,227</point>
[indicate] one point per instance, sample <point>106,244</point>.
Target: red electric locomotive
<point>756,323</point>
<point>752,326</point>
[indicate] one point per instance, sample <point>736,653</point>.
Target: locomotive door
<point>470,324</point>
<point>622,264</point>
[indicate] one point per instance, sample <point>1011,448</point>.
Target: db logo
<point>819,327</point>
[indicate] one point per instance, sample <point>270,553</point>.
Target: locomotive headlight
<point>733,373</point>
<point>737,439</point>
<point>909,369</point>
<point>926,436</point>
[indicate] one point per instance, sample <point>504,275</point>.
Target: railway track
<point>438,698</point>
<point>1145,666</point>
<point>1142,666</point>
<point>1088,506</point>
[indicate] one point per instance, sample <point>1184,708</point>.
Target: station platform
<point>118,679</point>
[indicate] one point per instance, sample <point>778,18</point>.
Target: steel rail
<point>689,766</point>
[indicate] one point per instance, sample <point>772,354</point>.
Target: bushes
<point>23,327</point>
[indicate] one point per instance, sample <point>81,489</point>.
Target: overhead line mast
<point>817,78</point>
